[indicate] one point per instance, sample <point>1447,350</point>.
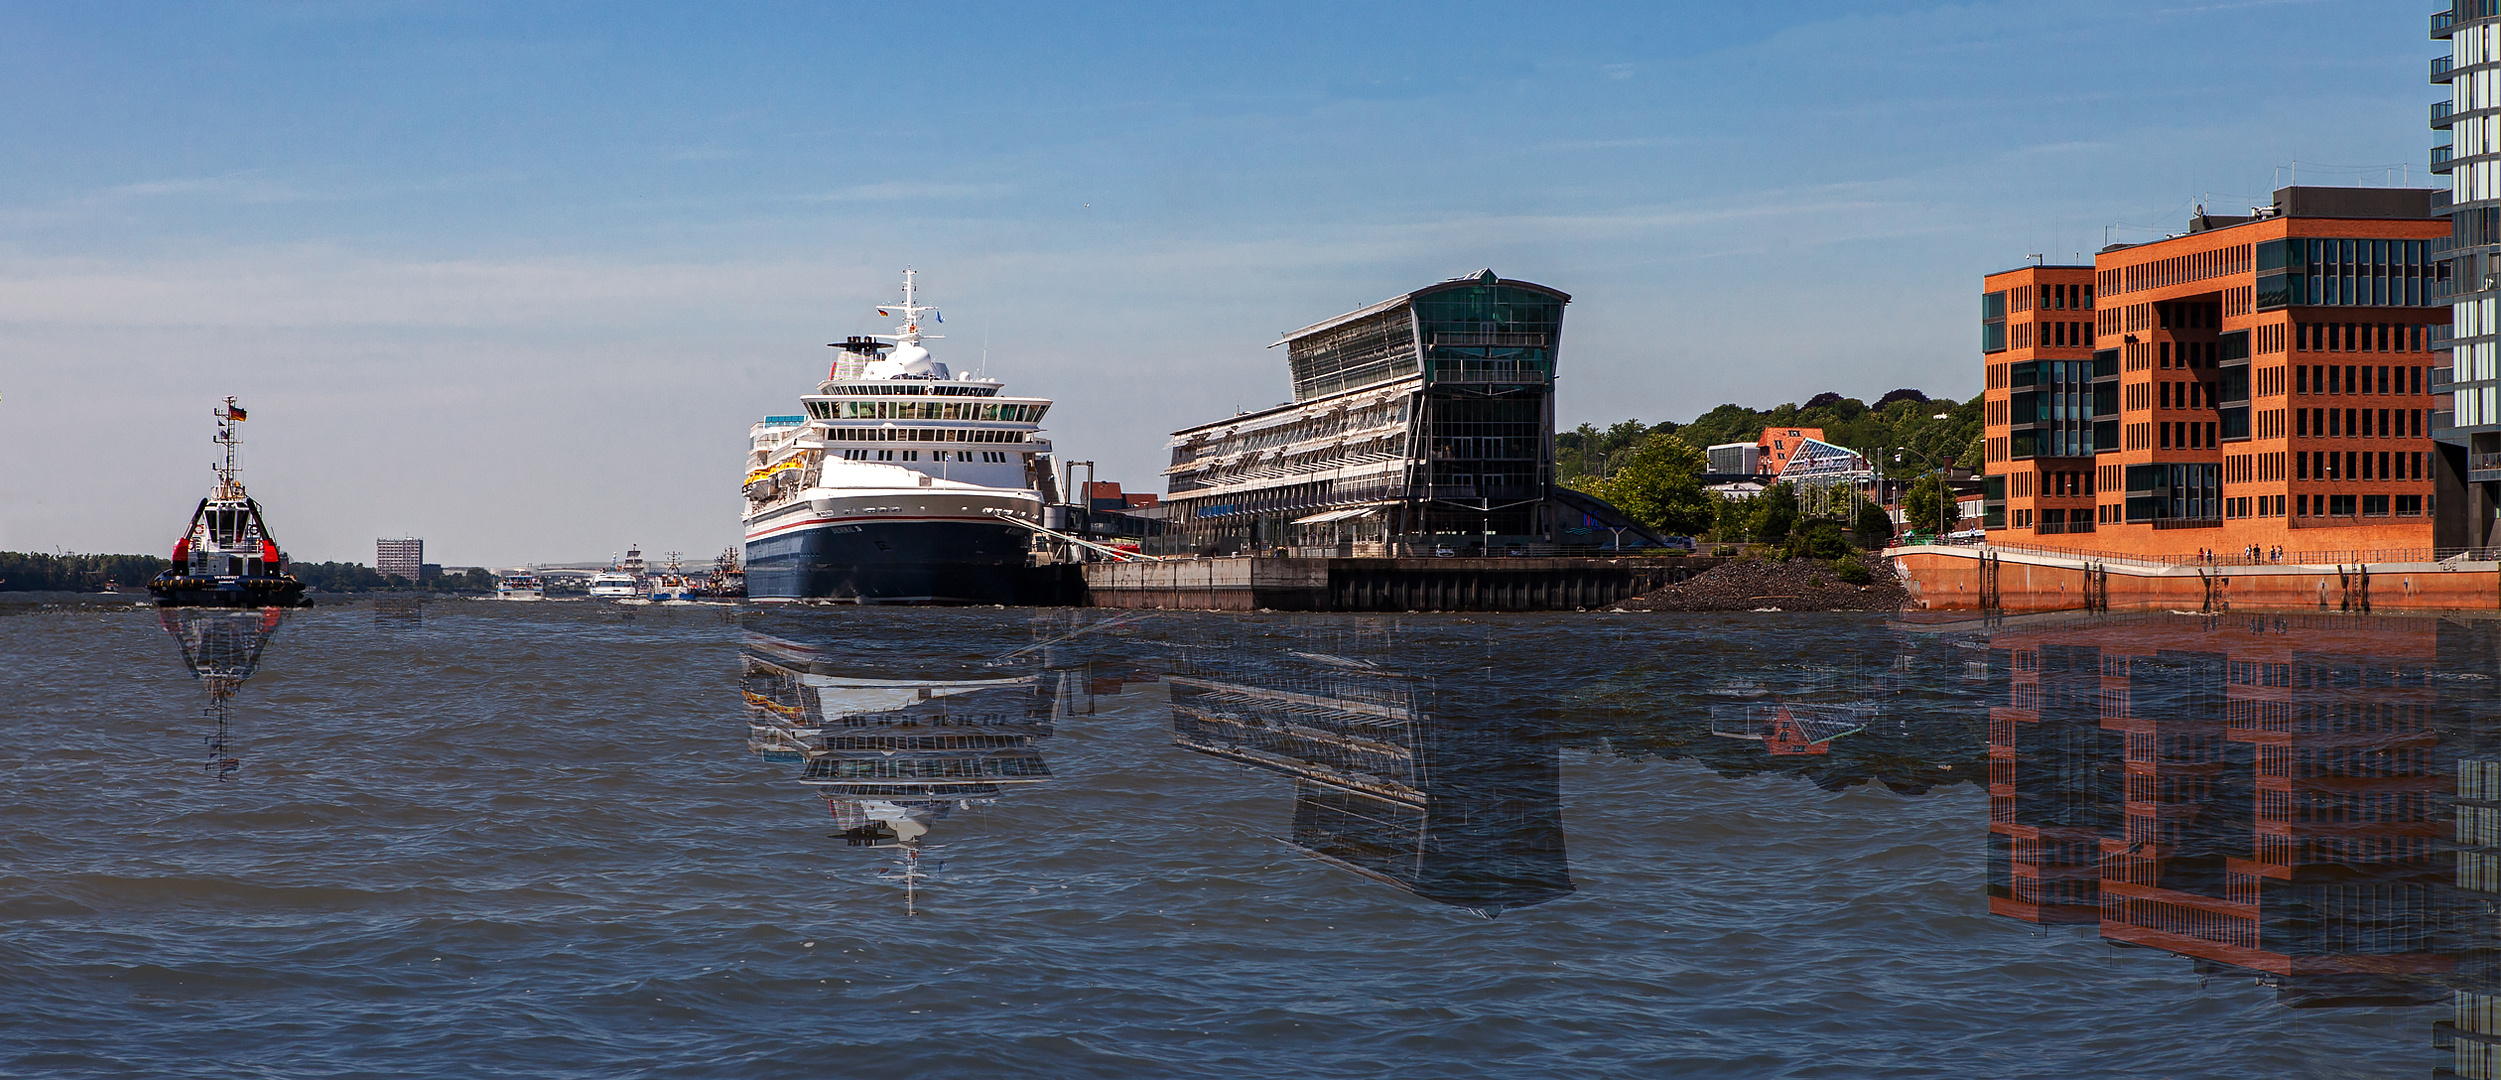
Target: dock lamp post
<point>1945,495</point>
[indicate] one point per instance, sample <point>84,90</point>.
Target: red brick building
<point>2258,381</point>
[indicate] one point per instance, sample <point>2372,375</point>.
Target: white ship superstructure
<point>892,483</point>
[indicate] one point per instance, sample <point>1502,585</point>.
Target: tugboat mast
<point>229,475</point>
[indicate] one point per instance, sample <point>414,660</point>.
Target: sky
<point>517,278</point>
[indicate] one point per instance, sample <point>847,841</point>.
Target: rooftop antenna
<point>2036,258</point>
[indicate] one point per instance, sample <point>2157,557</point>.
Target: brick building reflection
<point>2285,795</point>
<point>1400,776</point>
<point>222,647</point>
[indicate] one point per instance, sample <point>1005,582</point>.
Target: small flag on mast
<point>234,411</point>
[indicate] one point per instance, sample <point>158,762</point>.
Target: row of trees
<point>1654,473</point>
<point>25,571</point>
<point>350,577</point>
<point>22,571</point>
<point>1904,419</point>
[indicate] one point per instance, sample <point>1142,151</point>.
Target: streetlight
<point>1945,494</point>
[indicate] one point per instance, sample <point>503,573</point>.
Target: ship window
<point>911,455</point>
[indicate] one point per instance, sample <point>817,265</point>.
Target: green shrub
<point>1852,570</point>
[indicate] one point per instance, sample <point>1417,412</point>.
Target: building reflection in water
<point>1402,778</point>
<point>2314,800</point>
<point>894,757</point>
<point>222,647</point>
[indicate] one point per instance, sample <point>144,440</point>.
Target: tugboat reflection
<point>893,757</point>
<point>222,647</point>
<point>1396,778</point>
<point>2314,801</point>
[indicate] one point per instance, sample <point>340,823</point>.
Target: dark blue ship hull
<point>892,562</point>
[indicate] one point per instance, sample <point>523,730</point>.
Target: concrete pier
<point>1953,578</point>
<point>1375,584</point>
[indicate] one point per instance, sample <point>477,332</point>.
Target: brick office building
<point>2259,381</point>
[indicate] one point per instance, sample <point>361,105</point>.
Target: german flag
<point>234,411</point>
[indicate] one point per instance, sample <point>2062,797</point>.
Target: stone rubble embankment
<point>1792,585</point>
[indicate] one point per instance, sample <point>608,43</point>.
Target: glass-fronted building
<point>1425,419</point>
<point>2469,123</point>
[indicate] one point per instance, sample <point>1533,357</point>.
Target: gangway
<point>1115,553</point>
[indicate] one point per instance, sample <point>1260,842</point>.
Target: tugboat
<point>226,557</point>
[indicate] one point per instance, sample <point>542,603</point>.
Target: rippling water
<point>573,839</point>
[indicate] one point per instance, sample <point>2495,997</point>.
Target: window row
<point>926,410</point>
<point>926,435</point>
<point>2358,505</point>
<point>2188,435</point>
<point>990,457</point>
<point>2359,423</point>
<point>2356,379</point>
<point>2359,465</point>
<point>2360,337</point>
<point>2258,506</point>
<point>2176,270</point>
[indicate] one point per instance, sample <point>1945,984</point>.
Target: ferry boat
<point>622,581</point>
<point>902,482</point>
<point>226,557</point>
<point>520,585</point>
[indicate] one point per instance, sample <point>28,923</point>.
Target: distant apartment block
<point>404,557</point>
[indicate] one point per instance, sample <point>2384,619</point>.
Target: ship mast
<point>229,475</point>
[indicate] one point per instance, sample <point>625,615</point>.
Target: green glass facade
<point>1428,419</point>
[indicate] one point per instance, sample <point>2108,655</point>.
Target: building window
<point>2409,506</point>
<point>2340,506</point>
<point>2375,506</point>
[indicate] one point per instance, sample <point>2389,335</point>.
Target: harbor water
<point>573,839</point>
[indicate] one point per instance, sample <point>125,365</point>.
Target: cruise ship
<point>900,482</point>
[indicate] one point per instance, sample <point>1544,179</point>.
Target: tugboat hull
<point>231,592</point>
<point>891,562</point>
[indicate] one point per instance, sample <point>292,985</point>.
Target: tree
<point>1659,484</point>
<point>1776,512</point>
<point>1931,505</point>
<point>1818,539</point>
<point>1873,528</point>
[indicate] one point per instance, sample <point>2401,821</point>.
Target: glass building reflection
<point>2314,800</point>
<point>892,757</point>
<point>222,647</point>
<point>1398,777</point>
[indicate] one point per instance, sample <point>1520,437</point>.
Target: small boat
<point>672,583</point>
<point>226,557</point>
<point>520,585</point>
<point>622,580</point>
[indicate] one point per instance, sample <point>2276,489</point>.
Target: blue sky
<point>516,278</point>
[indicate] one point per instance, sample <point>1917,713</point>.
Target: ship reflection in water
<point>222,647</point>
<point>1396,776</point>
<point>2310,801</point>
<point>893,756</point>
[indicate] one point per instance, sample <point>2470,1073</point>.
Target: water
<point>467,838</point>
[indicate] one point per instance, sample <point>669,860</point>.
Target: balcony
<point>2440,159</point>
<point>2441,22</point>
<point>2440,69</point>
<point>2440,114</point>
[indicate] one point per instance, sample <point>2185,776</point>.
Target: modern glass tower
<point>1425,419</point>
<point>2469,124</point>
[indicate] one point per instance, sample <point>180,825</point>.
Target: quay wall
<point>1382,584</point>
<point>1950,578</point>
